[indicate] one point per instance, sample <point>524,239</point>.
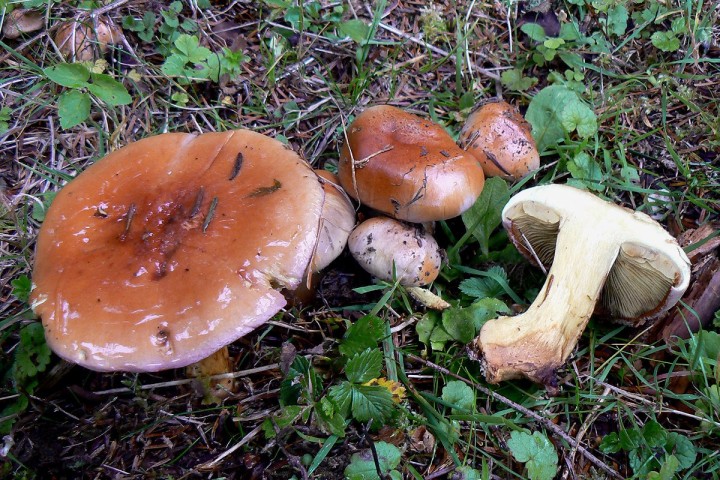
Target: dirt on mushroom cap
<point>169,248</point>
<point>407,167</point>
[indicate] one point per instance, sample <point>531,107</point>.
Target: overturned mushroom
<point>170,248</point>
<point>601,257</point>
<point>499,137</point>
<point>407,167</point>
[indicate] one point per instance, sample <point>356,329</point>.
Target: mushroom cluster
<point>600,258</point>
<point>174,246</point>
<point>410,170</point>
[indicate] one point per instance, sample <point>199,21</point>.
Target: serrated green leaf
<point>537,452</point>
<point>460,394</point>
<point>109,90</point>
<point>630,439</point>
<point>73,108</point>
<point>32,355</point>
<point>364,366</point>
<point>485,214</point>
<point>486,309</point>
<point>174,66</point>
<point>665,41</point>
<point>329,417</point>
<point>371,402</point>
<point>355,29</point>
<point>72,75</point>
<point>583,167</point>
<point>342,396</point>
<point>483,287</point>
<point>363,334</point>
<point>362,464</point>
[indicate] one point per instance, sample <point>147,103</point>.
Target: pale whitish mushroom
<point>395,251</point>
<point>601,258</point>
<point>166,250</point>
<point>336,222</point>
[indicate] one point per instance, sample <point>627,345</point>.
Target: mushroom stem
<point>537,342</point>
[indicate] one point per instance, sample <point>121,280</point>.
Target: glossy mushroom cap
<point>499,137</point>
<point>168,249</point>
<point>407,167</point>
<point>381,244</point>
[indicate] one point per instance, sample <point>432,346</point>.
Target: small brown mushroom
<point>22,20</point>
<point>407,167</point>
<point>499,137</point>
<point>166,250</point>
<point>78,41</point>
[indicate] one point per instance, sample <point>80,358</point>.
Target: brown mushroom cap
<point>407,167</point>
<point>22,20</point>
<point>500,139</point>
<point>77,40</point>
<point>171,247</point>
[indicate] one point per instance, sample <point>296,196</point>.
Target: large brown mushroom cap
<point>407,167</point>
<point>500,139</point>
<point>173,246</point>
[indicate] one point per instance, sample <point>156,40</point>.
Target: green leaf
<point>584,168</point>
<point>630,439</point>
<point>486,309</point>
<point>665,41</point>
<point>109,90</point>
<point>32,354</point>
<point>536,452</point>
<point>467,473</point>
<point>174,66</point>
<point>342,396</point>
<point>371,402</point>
<point>285,417</point>
<point>72,75</point>
<point>534,31</point>
<point>682,448</point>
<point>459,393</point>
<point>668,469</point>
<point>513,79</point>
<point>364,366</point>
<point>610,443</point>
<point>485,214</point>
<point>553,43</point>
<point>189,47</point>
<point>362,464</point>
<point>21,287</point>
<point>654,434</point>
<point>483,287</point>
<point>329,417</point>
<point>363,334</point>
<point>355,29</point>
<point>73,108</point>
<point>556,110</point>
<point>617,20</point>
<point>578,116</point>
<point>459,324</point>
